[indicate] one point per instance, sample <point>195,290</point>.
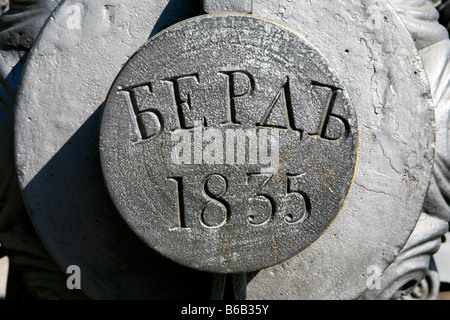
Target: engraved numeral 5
<point>296,204</point>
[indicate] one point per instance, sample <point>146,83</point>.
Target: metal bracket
<point>217,6</point>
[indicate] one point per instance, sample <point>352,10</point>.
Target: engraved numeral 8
<point>215,212</point>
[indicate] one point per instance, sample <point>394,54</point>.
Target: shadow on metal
<point>124,268</point>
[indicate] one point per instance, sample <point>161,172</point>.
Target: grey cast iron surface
<point>238,75</point>
<point>396,143</point>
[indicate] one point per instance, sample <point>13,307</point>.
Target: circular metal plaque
<point>56,147</point>
<point>228,144</point>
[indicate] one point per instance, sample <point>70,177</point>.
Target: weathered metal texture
<point>56,147</point>
<point>413,263</point>
<point>213,6</point>
<point>228,143</point>
<point>21,23</point>
<point>32,272</point>
<point>371,50</point>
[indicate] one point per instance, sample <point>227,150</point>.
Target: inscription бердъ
<point>232,145</point>
<point>149,121</point>
<point>199,146</point>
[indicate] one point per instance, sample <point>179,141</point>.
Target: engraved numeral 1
<point>181,221</point>
<point>295,205</point>
<point>215,212</point>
